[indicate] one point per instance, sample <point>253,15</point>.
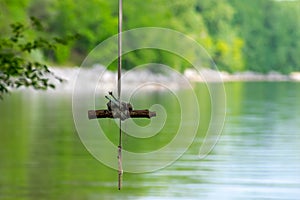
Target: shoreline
<point>104,80</point>
<point>246,76</point>
<point>190,74</point>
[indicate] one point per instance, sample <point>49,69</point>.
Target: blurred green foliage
<point>257,35</point>
<point>18,67</point>
<point>271,33</point>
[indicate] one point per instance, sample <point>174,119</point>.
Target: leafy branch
<point>17,67</point>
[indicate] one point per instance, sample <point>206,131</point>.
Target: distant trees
<point>258,35</point>
<point>271,33</point>
<point>226,45</point>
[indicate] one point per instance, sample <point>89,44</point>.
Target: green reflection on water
<point>42,157</point>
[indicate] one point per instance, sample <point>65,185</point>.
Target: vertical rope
<point>120,169</point>
<point>120,47</point>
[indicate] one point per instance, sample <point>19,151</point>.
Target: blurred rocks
<point>104,80</point>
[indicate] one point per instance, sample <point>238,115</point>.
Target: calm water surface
<point>257,157</point>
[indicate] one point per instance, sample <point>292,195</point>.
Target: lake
<point>42,156</point>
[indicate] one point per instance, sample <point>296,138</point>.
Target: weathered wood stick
<point>93,114</point>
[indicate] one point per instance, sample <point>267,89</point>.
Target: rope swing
<point>120,171</point>
<point>115,107</point>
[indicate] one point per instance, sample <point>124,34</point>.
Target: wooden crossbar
<point>94,114</point>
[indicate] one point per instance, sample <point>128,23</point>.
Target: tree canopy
<point>257,35</point>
